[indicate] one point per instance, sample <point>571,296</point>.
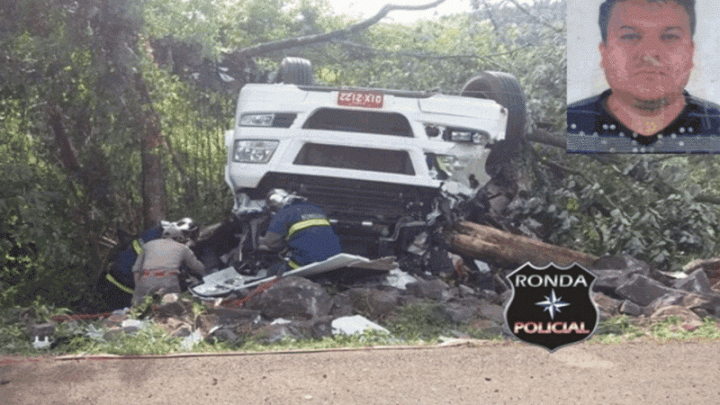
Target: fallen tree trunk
<point>487,243</point>
<point>547,138</point>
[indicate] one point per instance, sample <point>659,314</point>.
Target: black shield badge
<point>551,306</point>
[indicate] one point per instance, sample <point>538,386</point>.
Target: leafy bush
<point>42,248</point>
<point>622,205</point>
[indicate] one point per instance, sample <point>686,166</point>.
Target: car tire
<point>295,71</point>
<point>505,89</point>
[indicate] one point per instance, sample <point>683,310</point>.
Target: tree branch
<point>547,138</point>
<point>261,49</point>
<point>420,55</point>
<point>543,22</point>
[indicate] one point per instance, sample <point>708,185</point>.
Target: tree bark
<point>153,180</point>
<point>487,243</point>
<point>547,138</point>
<point>93,180</point>
<point>68,155</point>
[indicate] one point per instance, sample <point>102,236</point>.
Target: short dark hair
<point>607,6</point>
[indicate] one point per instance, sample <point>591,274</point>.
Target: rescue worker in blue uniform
<point>300,227</point>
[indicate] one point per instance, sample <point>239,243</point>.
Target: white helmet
<point>278,198</point>
<point>180,231</point>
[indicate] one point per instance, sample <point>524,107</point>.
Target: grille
<point>346,157</point>
<point>355,200</point>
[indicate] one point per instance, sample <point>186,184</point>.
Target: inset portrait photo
<point>643,76</point>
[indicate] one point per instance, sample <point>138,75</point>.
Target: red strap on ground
<point>262,287</point>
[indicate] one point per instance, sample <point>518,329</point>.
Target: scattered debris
<point>229,280</point>
<point>191,340</point>
<point>300,308</point>
<point>349,325</point>
<point>41,344</point>
<point>399,279</point>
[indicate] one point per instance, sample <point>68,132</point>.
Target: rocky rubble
<point>300,308</point>
<point>630,287</point>
<point>296,307</point>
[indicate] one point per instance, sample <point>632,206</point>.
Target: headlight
<point>449,164</point>
<point>257,120</point>
<point>277,120</point>
<point>480,138</point>
<point>254,151</point>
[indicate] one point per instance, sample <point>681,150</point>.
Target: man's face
<point>649,50</point>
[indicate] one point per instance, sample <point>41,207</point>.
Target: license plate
<point>367,99</point>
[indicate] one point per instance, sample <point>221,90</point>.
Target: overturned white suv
<point>377,161</point>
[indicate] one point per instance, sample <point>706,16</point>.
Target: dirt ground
<point>466,373</point>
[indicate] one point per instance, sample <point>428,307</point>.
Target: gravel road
<point>473,372</point>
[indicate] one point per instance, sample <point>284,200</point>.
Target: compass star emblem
<point>552,304</point>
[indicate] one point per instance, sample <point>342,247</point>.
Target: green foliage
<point>418,322</point>
<point>194,125</point>
<point>15,322</point>
<point>53,214</point>
<point>13,331</point>
<point>482,333</point>
<point>642,206</point>
<point>621,329</point>
<point>365,339</point>
<point>38,245</point>
<point>617,329</point>
<point>149,340</point>
<point>671,329</point>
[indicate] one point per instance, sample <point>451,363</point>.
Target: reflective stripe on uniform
<point>137,246</point>
<point>119,285</point>
<point>299,226</point>
<point>159,273</point>
<point>292,264</point>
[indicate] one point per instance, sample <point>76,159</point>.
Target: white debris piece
<point>41,344</point>
<point>133,325</point>
<point>399,279</point>
<point>482,266</point>
<point>220,282</point>
<point>221,276</point>
<point>456,188</point>
<point>95,333</point>
<point>280,321</point>
<point>349,325</point>
<point>190,341</point>
<point>674,274</point>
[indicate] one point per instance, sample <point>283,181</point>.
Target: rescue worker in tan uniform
<point>160,265</point>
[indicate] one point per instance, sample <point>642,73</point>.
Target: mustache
<point>650,64</point>
<point>652,61</point>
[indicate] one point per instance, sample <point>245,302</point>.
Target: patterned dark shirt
<point>593,129</point>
